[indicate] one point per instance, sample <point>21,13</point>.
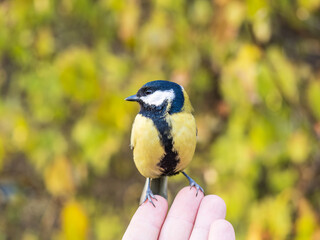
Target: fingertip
<point>190,192</point>
<point>147,208</point>
<point>159,202</point>
<point>215,204</point>
<point>148,219</point>
<point>186,204</point>
<point>182,214</point>
<point>212,207</point>
<point>221,229</point>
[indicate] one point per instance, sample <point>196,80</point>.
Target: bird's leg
<point>149,194</point>
<point>193,183</point>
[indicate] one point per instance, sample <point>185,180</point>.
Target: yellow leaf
<point>298,147</point>
<point>58,178</point>
<point>306,222</point>
<point>20,132</point>
<point>284,73</point>
<point>78,74</point>
<point>74,221</point>
<point>309,5</point>
<point>239,77</point>
<point>45,42</point>
<point>313,94</point>
<point>262,26</point>
<point>129,21</point>
<point>271,217</point>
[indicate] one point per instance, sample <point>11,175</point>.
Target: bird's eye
<point>148,91</point>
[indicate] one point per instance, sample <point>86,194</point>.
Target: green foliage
<point>251,69</point>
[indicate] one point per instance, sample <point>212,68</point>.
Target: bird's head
<point>161,97</point>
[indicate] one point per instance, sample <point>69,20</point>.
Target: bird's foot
<point>150,196</point>
<point>193,183</point>
<point>196,185</point>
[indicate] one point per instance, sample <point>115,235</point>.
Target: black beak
<point>133,98</point>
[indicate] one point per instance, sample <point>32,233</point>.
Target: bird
<point>164,132</point>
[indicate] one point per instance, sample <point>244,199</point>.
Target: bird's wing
<point>184,136</point>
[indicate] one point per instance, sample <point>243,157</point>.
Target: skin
<point>189,217</point>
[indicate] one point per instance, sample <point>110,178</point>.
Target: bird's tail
<point>158,187</point>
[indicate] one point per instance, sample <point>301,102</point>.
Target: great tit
<point>163,136</point>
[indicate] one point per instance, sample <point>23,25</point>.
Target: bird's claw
<point>193,184</point>
<point>197,186</point>
<point>150,196</point>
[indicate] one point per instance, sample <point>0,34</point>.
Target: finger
<point>221,229</point>
<point>147,221</point>
<point>211,208</point>
<point>181,217</point>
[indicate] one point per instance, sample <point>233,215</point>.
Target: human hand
<point>190,217</point>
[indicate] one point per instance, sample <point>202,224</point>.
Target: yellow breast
<point>184,133</point>
<point>148,150</point>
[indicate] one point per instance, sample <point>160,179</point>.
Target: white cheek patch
<point>158,97</point>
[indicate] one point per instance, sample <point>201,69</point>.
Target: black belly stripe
<point>169,161</point>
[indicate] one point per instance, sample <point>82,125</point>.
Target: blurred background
<point>251,68</point>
